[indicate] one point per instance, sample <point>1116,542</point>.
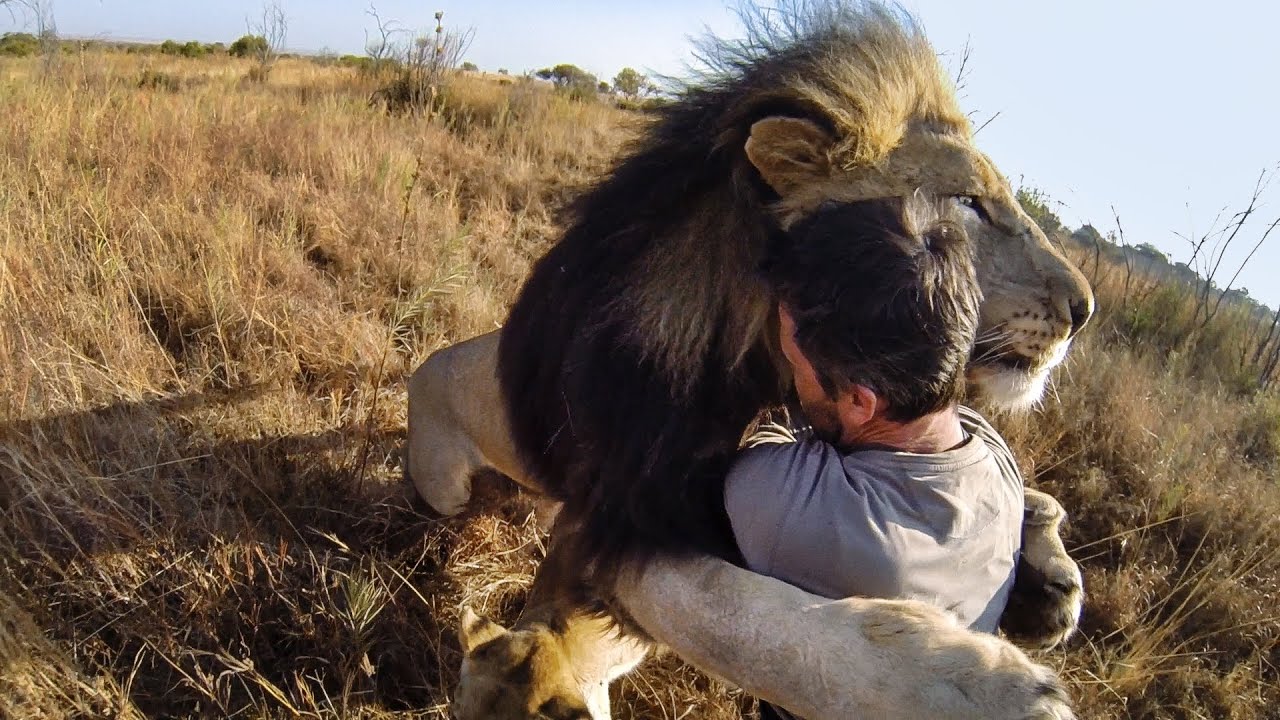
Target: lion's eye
<point>975,204</point>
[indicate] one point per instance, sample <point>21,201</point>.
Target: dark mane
<point>638,350</point>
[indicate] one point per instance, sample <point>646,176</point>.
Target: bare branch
<point>1209,315</point>
<point>426,63</point>
<point>962,73</point>
<point>1220,248</point>
<point>383,48</point>
<point>1124,251</point>
<point>988,122</point>
<point>273,28</point>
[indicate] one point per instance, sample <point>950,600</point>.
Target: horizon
<point>1157,115</point>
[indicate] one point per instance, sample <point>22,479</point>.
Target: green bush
<point>170,47</point>
<point>192,49</point>
<point>359,62</point>
<point>249,46</point>
<point>19,44</point>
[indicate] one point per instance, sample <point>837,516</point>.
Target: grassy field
<point>211,294</point>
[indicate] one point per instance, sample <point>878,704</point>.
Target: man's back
<point>943,527</point>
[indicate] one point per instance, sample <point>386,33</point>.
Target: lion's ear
<point>474,631</point>
<point>789,152</point>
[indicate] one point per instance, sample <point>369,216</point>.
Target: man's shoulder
<point>977,425</point>
<point>768,485</point>
<point>771,467</point>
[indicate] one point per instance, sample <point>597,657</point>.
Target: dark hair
<point>884,295</point>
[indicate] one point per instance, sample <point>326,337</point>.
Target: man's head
<point>887,335</point>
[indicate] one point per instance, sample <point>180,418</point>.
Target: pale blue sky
<point>1158,108</point>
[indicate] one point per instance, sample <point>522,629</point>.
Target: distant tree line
<point>1191,307</point>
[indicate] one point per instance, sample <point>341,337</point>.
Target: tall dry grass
<point>211,292</point>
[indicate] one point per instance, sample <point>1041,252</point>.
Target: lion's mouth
<point>993,354</point>
<point>1009,379</point>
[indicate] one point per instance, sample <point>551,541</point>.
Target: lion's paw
<point>1045,602</point>
<point>958,673</point>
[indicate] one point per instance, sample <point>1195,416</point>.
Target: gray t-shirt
<point>943,528</point>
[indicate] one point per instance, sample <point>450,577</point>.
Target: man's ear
<point>857,404</point>
<point>789,152</point>
<point>474,631</point>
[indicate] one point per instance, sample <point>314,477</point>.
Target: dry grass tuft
<point>211,292</point>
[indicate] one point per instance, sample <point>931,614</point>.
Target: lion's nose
<point>1081,311</point>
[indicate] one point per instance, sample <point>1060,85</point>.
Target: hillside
<point>212,292</point>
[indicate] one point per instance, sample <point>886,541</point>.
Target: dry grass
<point>211,292</point>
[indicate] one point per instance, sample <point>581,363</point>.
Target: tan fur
<point>457,424</point>
<point>543,668</point>
<point>832,659</point>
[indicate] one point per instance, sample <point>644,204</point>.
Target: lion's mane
<point>638,350</point>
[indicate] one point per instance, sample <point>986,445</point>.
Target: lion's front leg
<point>1048,591</point>
<point>827,659</point>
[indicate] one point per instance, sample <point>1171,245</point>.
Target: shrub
<point>170,47</point>
<point>249,46</point>
<point>470,67</point>
<point>19,44</point>
<point>258,74</point>
<point>1259,432</point>
<point>156,80</point>
<point>649,104</point>
<point>192,49</point>
<point>359,62</point>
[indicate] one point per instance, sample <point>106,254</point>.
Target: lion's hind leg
<point>458,424</point>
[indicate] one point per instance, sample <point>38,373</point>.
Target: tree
<point>604,87</point>
<point>191,49</point>
<point>382,49</point>
<point>170,47</point>
<point>470,67</point>
<point>566,75</point>
<point>270,30</point>
<point>630,83</point>
<point>575,82</point>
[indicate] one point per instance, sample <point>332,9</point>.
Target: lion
<point>645,341</point>
<point>561,667</point>
<point>457,429</point>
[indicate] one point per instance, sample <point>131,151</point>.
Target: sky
<point>1159,110</point>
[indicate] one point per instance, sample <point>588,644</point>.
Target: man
<point>901,493</point>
